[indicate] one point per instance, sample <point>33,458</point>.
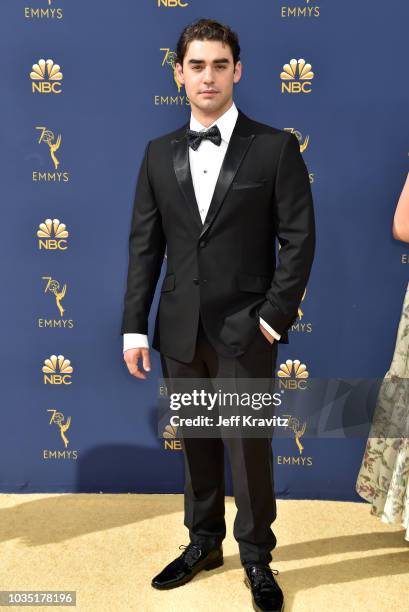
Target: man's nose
<point>208,75</point>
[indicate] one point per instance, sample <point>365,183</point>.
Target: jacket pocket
<point>238,185</point>
<point>168,283</point>
<point>253,283</point>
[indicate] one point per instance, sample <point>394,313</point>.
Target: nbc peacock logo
<point>46,77</point>
<point>296,77</point>
<point>57,370</point>
<point>292,374</point>
<point>52,235</point>
<point>171,3</point>
<point>170,441</point>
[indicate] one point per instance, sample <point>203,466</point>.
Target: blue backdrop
<point>70,150</point>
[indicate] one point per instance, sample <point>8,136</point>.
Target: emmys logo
<point>169,63</point>
<point>170,441</point>
<point>53,287</point>
<point>52,235</point>
<point>293,375</point>
<point>307,9</point>
<point>48,138</point>
<point>62,425</point>
<point>296,77</point>
<point>171,3</point>
<point>299,325</point>
<point>298,430</point>
<point>57,418</point>
<point>57,370</point>
<point>43,13</point>
<point>46,77</point>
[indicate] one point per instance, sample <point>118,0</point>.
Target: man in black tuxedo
<point>216,194</point>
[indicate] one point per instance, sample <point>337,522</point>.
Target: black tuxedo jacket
<point>225,268</point>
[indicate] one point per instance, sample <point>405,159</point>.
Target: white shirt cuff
<point>135,341</point>
<point>270,329</point>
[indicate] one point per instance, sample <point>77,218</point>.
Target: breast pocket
<point>248,185</point>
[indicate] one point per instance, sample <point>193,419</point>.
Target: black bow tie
<point>195,138</point>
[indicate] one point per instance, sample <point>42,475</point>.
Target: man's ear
<point>237,72</point>
<point>179,73</point>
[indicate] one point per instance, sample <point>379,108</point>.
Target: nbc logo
<point>293,374</point>
<point>57,370</point>
<point>171,3</point>
<point>296,77</point>
<point>170,441</point>
<point>52,235</point>
<point>46,77</point>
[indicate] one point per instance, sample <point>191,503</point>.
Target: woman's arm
<point>400,228</point>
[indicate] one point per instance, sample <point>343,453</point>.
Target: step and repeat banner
<point>84,86</point>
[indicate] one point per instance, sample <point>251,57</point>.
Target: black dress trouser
<point>251,459</point>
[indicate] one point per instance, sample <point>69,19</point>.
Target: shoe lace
<point>263,579</point>
<point>191,553</point>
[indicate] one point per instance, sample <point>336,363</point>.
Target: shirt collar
<point>225,123</point>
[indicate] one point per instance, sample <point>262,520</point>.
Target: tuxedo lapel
<point>239,143</point>
<point>236,150</point>
<point>181,166</point>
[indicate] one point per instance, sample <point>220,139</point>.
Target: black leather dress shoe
<point>187,565</point>
<point>266,594</point>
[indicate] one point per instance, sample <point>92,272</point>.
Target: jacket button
<point>202,243</point>
<point>195,281</point>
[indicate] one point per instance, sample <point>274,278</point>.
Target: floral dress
<point>383,478</point>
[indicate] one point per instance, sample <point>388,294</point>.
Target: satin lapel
<point>184,177</point>
<point>235,153</point>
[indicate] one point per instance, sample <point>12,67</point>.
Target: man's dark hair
<point>207,29</point>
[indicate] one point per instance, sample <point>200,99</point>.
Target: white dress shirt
<point>205,165</point>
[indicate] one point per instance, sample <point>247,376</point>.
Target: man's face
<point>208,74</point>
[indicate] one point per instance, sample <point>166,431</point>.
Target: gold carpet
<point>332,556</point>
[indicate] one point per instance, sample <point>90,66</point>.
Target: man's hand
<point>267,334</point>
<point>132,356</point>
